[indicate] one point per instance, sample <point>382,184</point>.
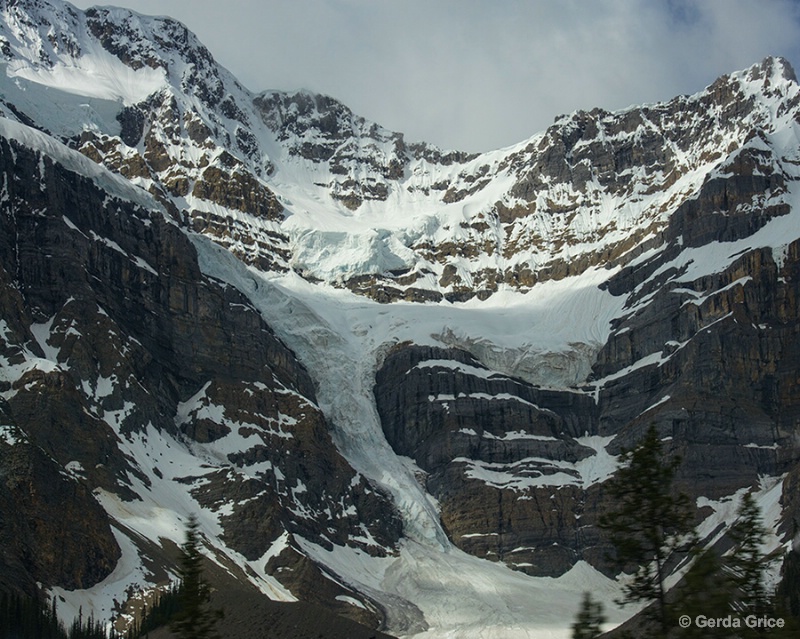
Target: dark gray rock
<point>461,424</point>
<point>52,531</point>
<point>721,391</point>
<point>111,296</point>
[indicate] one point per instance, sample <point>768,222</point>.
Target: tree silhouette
<point>195,618</point>
<point>706,589</point>
<point>590,618</point>
<point>650,522</point>
<point>747,561</point>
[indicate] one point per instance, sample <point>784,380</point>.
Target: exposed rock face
<point>722,349</point>
<point>724,397</point>
<point>113,341</point>
<point>584,193</point>
<point>502,457</point>
<point>589,190</point>
<point>51,528</point>
<point>709,358</point>
<point>363,158</point>
<point>132,382</point>
<point>710,361</point>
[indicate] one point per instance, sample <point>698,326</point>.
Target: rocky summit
<point>390,381</point>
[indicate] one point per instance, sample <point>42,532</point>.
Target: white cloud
<point>475,74</point>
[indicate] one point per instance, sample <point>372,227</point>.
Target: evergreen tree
<point>788,592</point>
<point>195,618</point>
<point>705,589</point>
<point>160,613</point>
<point>588,623</point>
<point>24,617</point>
<point>747,562</point>
<point>650,522</point>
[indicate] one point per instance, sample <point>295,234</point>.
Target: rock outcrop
<point>659,244</point>
<point>118,352</point>
<point>518,470</point>
<point>52,529</point>
<point>508,463</point>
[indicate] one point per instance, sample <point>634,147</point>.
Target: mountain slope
<point>310,186</point>
<point>156,388</point>
<point>390,379</point>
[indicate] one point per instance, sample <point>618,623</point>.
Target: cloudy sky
<point>478,74</point>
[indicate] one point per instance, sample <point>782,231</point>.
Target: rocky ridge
<point>253,171</point>
<point>128,374</point>
<point>140,381</point>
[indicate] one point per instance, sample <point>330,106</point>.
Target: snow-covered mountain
<point>390,379</point>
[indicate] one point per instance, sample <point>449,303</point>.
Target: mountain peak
<point>774,67</point>
<point>765,77</point>
<point>169,246</point>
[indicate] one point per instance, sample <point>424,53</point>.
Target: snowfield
<point>340,338</point>
<point>548,335</point>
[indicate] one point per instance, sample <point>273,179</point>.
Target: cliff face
<point>518,470</point>
<point>349,352</point>
<point>508,462</point>
<point>704,348</point>
<point>118,353</point>
<point>296,181</point>
<point>53,532</point>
